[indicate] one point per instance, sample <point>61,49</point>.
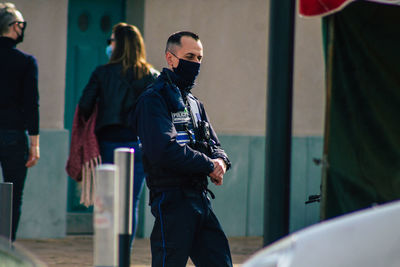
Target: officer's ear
<point>169,58</point>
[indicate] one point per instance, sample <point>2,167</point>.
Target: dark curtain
<point>362,137</point>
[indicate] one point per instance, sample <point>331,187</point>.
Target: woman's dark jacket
<point>115,94</point>
<point>19,96</point>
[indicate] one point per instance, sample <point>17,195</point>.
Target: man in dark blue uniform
<point>19,107</point>
<point>180,149</point>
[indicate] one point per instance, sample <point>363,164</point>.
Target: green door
<point>89,25</point>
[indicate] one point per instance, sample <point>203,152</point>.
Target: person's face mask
<point>109,51</point>
<point>187,70</point>
<point>20,37</point>
<point>21,25</point>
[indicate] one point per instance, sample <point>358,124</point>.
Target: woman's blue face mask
<point>109,51</point>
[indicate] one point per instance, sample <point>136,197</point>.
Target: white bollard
<point>106,216</point>
<point>124,160</point>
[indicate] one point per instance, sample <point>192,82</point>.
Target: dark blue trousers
<point>14,154</point>
<point>185,226</point>
<point>107,156</point>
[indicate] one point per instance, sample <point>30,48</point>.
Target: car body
<point>367,238</point>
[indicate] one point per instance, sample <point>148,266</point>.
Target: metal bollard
<point>124,159</point>
<point>6,191</point>
<point>106,216</point>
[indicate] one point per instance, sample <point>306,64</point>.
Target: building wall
<point>233,76</point>
<point>309,88</point>
<point>44,202</point>
<point>46,39</point>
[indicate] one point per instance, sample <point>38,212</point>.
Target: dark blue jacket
<point>19,96</point>
<point>166,162</point>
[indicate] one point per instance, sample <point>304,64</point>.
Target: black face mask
<point>20,37</point>
<point>187,72</point>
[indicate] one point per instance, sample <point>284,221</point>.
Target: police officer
<point>180,149</point>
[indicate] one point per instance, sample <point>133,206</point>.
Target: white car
<point>367,238</point>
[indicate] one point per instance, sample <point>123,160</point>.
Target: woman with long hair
<point>114,88</point>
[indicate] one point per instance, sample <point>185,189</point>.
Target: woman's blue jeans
<point>107,156</point>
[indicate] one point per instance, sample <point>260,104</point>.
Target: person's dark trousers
<point>13,157</point>
<point>185,226</point>
<point>107,156</point>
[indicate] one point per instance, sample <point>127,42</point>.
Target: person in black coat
<point>180,149</point>
<point>114,88</point>
<point>19,107</point>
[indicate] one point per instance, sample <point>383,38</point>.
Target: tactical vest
<point>186,122</point>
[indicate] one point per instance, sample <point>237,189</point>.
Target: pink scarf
<point>84,155</point>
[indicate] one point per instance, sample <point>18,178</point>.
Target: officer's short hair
<point>175,39</point>
<point>8,14</point>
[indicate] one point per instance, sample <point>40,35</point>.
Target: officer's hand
<point>216,180</point>
<point>217,175</point>
<point>223,164</point>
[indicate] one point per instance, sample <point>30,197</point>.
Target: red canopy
<point>310,8</point>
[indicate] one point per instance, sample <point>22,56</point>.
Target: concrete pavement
<point>77,250</point>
